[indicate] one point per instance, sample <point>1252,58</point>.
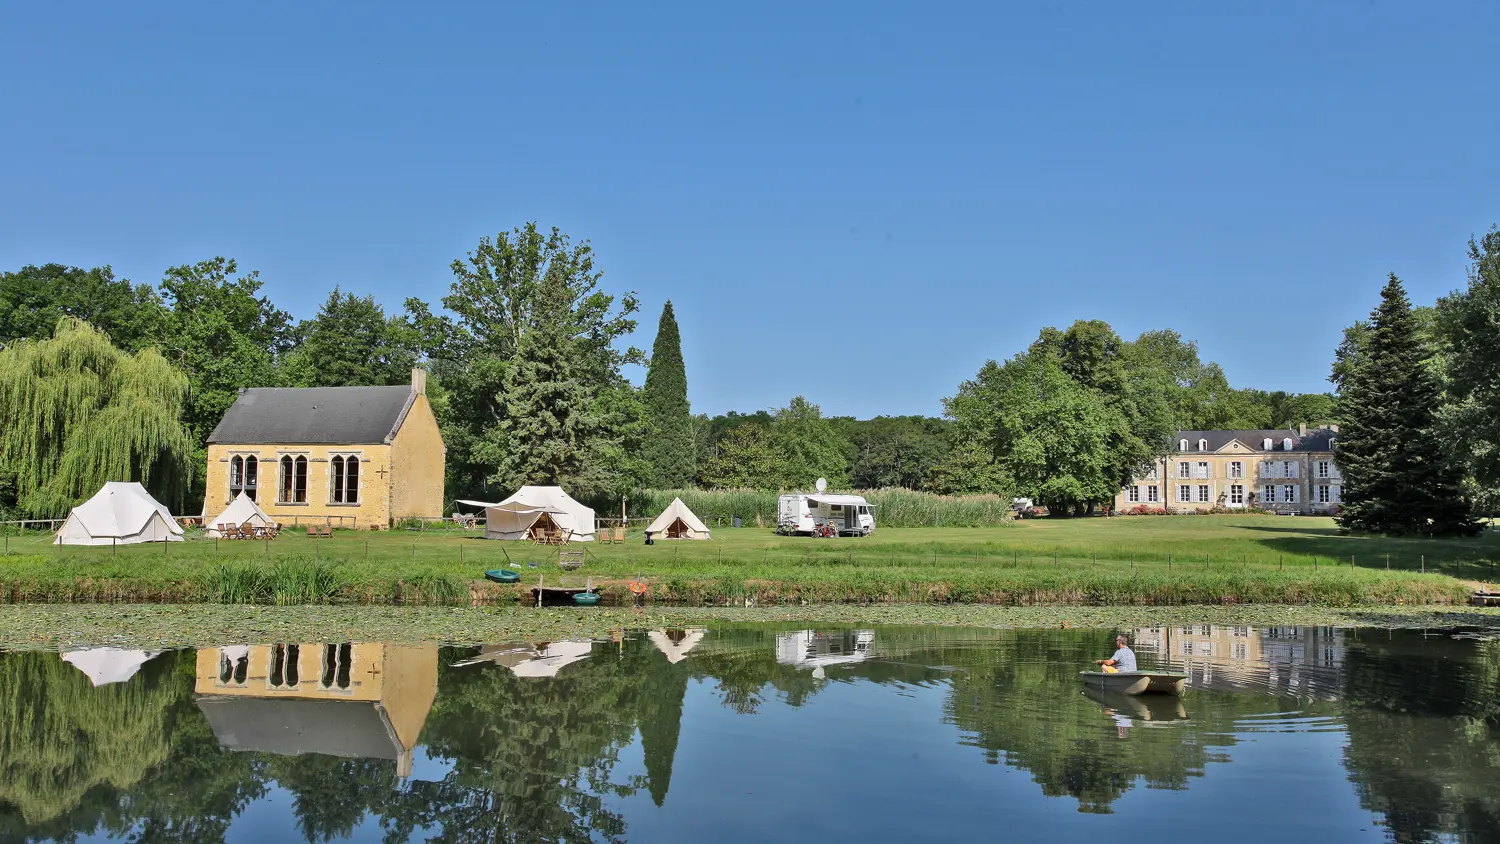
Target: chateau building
<point>354,456</point>
<point>1287,471</point>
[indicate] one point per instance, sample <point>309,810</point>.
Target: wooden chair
<point>620,535</point>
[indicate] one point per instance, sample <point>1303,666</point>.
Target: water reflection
<point>579,740</point>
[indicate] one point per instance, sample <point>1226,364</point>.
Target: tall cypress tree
<point>670,449</point>
<point>1397,479</point>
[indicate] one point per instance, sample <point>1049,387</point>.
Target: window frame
<point>1204,493</point>
<point>1268,494</point>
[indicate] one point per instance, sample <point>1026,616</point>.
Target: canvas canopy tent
<point>121,513</point>
<point>514,517</point>
<point>108,665</point>
<point>678,522</point>
<point>242,512</point>
<point>532,660</point>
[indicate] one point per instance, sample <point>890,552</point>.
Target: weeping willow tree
<point>75,412</point>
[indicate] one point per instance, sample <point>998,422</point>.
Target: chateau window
<point>1291,493</point>
<point>236,471</point>
<point>1289,469</point>
<point>1265,444</point>
<point>1203,493</point>
<point>1184,492</point>
<point>1134,494</point>
<point>1202,470</point>
<point>1268,495</point>
<point>284,667</point>
<point>1322,468</point>
<point>1184,470</point>
<point>1286,444</point>
<point>1324,496</point>
<point>293,480</point>
<point>343,479</point>
<point>1237,494</point>
<point>1203,445</point>
<point>337,660</point>
<point>1236,469</point>
<point>1151,494</point>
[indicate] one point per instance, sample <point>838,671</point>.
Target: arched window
<point>300,490</point>
<point>1203,445</point>
<point>351,480</point>
<point>236,473</point>
<point>293,480</point>
<point>252,476</point>
<point>336,479</point>
<point>1182,445</point>
<point>1286,444</point>
<point>284,496</point>
<point>1331,441</point>
<point>1266,444</point>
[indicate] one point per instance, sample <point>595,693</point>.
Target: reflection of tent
<point>514,517</point>
<point>242,512</point>
<point>122,512</point>
<point>108,665</point>
<point>530,660</point>
<point>675,644</point>
<point>678,522</point>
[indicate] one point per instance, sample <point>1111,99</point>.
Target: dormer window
<point>1182,445</point>
<point>1286,444</point>
<point>1203,445</point>
<point>1265,444</point>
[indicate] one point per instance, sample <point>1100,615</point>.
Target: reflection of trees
<point>132,756</point>
<point>1424,733</point>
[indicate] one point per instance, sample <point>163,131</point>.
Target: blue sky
<point>859,202</point>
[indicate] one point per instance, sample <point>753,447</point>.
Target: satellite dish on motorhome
<point>822,484</point>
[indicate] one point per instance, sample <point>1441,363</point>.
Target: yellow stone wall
<point>417,457</point>
<point>367,676</point>
<point>374,507</point>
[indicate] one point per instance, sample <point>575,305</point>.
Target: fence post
<point>1424,563</point>
<point>1387,562</point>
<point>1280,562</point>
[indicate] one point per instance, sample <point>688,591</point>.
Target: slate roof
<point>314,415</point>
<point>292,727</point>
<point>1315,440</point>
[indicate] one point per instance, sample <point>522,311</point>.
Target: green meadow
<point>1120,561</point>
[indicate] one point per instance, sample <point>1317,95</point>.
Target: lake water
<point>760,734</point>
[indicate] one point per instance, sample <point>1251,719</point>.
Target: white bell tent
<point>678,522</point>
<point>541,660</point>
<point>108,665</point>
<point>514,517</point>
<point>122,513</point>
<point>675,644</point>
<point>242,512</point>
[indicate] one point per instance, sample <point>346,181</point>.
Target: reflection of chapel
<point>358,700</point>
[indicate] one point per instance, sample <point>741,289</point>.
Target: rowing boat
<point>1135,682</point>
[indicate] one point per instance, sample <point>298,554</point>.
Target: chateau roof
<point>1320,439</point>
<point>314,415</point>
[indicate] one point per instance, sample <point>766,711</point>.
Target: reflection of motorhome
<point>804,512</point>
<point>811,649</point>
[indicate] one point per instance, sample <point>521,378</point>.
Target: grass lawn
<point>1179,559</point>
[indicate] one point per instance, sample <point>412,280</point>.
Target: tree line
<point>527,354</point>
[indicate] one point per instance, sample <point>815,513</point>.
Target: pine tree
<point>671,450</point>
<point>1397,480</point>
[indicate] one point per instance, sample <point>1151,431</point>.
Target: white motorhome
<point>803,513</point>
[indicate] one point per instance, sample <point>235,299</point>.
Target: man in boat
<point>1123,659</point>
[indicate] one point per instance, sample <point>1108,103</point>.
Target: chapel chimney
<point>1301,429</point>
<point>419,381</point>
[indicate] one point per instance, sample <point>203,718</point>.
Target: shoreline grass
<point>1130,561</point>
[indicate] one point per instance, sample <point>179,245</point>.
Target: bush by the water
<point>894,507</point>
